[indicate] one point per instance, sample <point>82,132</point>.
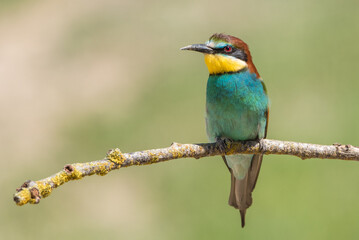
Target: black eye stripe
<point>237,53</point>
<point>221,50</point>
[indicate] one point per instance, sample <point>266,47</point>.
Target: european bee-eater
<point>236,109</point>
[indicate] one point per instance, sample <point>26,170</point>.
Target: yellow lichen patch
<point>60,178</point>
<point>154,158</point>
<point>102,170</point>
<point>32,201</point>
<point>112,165</point>
<point>192,151</point>
<point>23,197</point>
<point>116,156</point>
<point>44,188</point>
<point>76,174</point>
<point>176,153</point>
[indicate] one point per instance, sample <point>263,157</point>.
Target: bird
<point>236,110</point>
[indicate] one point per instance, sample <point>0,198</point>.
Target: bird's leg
<point>223,143</point>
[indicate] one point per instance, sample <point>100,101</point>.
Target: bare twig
<point>33,191</point>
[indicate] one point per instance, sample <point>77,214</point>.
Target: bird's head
<point>225,54</point>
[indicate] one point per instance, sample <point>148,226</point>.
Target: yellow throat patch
<point>217,63</point>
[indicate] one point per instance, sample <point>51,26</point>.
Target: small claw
<point>223,144</point>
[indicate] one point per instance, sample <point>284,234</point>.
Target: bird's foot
<point>223,144</point>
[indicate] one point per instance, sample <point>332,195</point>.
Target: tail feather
<point>240,196</point>
<point>243,217</point>
<point>232,201</point>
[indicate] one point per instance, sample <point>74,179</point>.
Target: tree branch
<point>33,191</point>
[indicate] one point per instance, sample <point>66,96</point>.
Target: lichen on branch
<point>33,191</point>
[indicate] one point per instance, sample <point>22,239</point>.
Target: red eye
<point>228,49</point>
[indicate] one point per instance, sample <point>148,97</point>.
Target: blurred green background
<point>80,77</point>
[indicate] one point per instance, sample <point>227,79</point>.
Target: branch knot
<point>115,156</point>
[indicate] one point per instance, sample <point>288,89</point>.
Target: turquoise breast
<point>236,106</point>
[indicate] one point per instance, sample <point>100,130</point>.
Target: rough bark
<point>33,191</point>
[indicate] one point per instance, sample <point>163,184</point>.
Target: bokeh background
<point>80,77</point>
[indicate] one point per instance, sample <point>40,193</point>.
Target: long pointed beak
<point>199,48</point>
